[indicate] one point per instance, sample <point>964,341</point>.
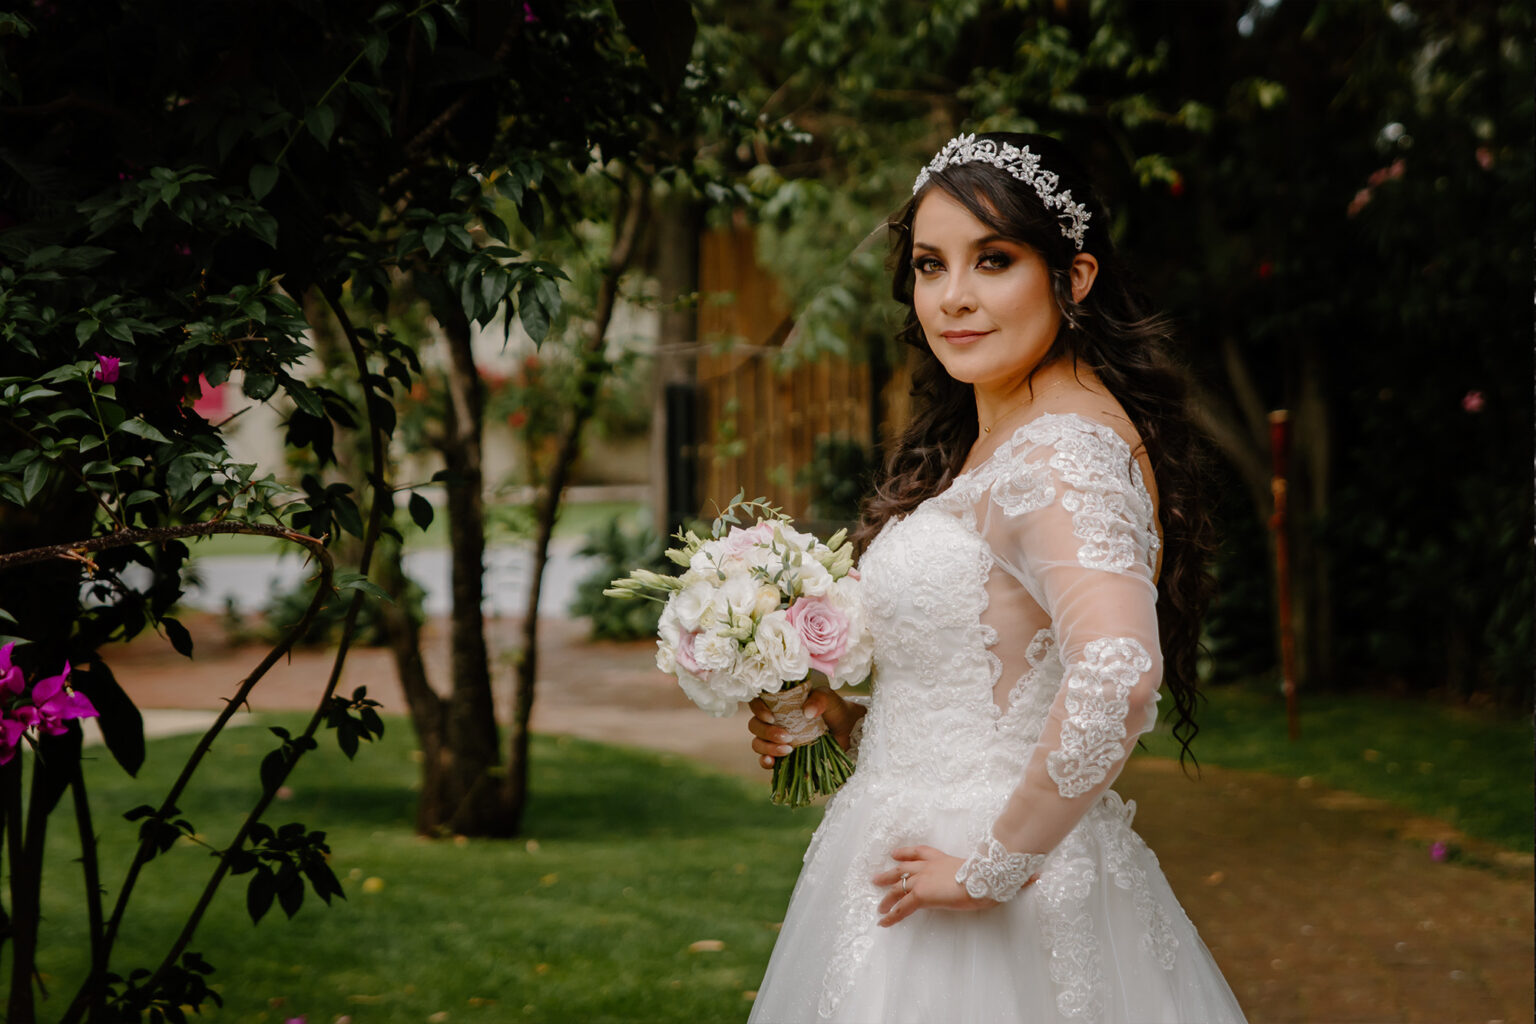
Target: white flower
<point>815,580</point>
<point>706,696</point>
<point>692,603</point>
<point>667,628</point>
<point>768,598</point>
<point>738,595</point>
<point>779,644</point>
<point>753,675</point>
<point>853,666</point>
<point>666,656</point>
<point>715,652</point>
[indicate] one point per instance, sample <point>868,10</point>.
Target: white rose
<point>767,599</point>
<point>706,696</point>
<point>779,644</point>
<point>815,581</point>
<point>846,597</point>
<point>715,652</point>
<point>854,665</point>
<point>692,604</point>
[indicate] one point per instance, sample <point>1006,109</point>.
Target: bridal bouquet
<point>760,611</point>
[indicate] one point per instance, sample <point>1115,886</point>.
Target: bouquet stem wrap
<point>818,765</point>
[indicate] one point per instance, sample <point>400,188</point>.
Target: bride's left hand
<point>930,884</point>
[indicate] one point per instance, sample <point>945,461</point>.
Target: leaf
<point>663,31</point>
<point>141,428</point>
<point>531,311</point>
<point>357,581</point>
<point>118,718</point>
<point>260,386</point>
<point>273,768</point>
<point>32,480</point>
<point>258,894</point>
<point>433,237</point>
<point>421,510</point>
<point>263,178</point>
<point>58,758</point>
<point>180,639</point>
<point>321,122</point>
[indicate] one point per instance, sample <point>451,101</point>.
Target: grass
<point>629,858</point>
<point>577,519</point>
<point>1472,769</point>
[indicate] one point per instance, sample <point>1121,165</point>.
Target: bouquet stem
<point>817,766</point>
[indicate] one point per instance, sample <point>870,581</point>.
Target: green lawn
<point>576,520</point>
<point>1472,769</point>
<point>630,857</point>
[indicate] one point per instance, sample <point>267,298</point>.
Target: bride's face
<point>984,302</point>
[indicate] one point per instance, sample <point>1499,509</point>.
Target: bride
<point>1033,572</point>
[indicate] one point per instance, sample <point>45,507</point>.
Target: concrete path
<point>1321,906</point>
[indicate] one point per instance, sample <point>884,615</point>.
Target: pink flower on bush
<point>106,371</point>
<point>55,703</point>
<point>823,630</point>
<point>1473,401</point>
<point>1438,851</point>
<point>51,705</point>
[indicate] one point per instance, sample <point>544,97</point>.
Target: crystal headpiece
<point>1021,164</point>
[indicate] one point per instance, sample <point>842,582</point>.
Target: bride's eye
<point>994,260</point>
<point>926,265</point>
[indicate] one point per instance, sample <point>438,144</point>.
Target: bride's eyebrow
<point>982,242</point>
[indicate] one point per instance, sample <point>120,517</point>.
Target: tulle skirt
<point>1099,939</point>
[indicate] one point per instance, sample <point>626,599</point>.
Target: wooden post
<point>1279,447</point>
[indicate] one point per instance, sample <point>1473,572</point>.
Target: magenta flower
<point>55,703</point>
<point>529,18</point>
<point>106,372</point>
<point>1438,851</point>
<point>10,737</point>
<point>10,676</point>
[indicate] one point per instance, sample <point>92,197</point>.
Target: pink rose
<point>823,630</point>
<point>739,541</point>
<point>685,659</point>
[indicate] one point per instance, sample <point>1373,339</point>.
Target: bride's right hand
<point>769,741</point>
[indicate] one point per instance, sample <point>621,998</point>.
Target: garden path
<point>1321,906</point>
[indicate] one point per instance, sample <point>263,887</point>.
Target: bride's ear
<point>1083,272</point>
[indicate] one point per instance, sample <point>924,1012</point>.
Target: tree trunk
<point>470,756</point>
<point>593,366</point>
<point>678,223</point>
<point>429,712</point>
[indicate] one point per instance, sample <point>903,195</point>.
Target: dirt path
<point>1321,906</point>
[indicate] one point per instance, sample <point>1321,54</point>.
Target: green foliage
<point>617,550</point>
<point>840,476</point>
<point>1472,769</point>
<point>623,841</point>
<point>285,607</point>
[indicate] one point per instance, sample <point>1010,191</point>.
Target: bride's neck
<point>1020,401</point>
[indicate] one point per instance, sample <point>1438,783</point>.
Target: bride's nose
<point>958,297</point>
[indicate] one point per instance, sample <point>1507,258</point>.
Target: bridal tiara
<point>1021,164</point>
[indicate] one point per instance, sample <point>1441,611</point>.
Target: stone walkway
<point>1321,906</point>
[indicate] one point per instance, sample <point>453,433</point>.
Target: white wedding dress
<point>1016,662</point>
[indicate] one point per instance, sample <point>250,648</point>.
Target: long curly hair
<point>1116,336</point>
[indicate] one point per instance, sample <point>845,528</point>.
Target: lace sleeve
<point>1081,540</point>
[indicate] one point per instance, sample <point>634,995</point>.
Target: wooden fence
<point>758,425</point>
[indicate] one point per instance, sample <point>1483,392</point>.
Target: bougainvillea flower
<point>10,676</point>
<point>106,371</point>
<point>10,737</point>
<point>56,703</point>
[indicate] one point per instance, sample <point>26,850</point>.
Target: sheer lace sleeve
<point>1068,519</point>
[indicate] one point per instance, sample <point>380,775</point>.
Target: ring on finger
<point>904,889</point>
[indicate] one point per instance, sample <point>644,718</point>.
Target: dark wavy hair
<point>1112,333</point>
